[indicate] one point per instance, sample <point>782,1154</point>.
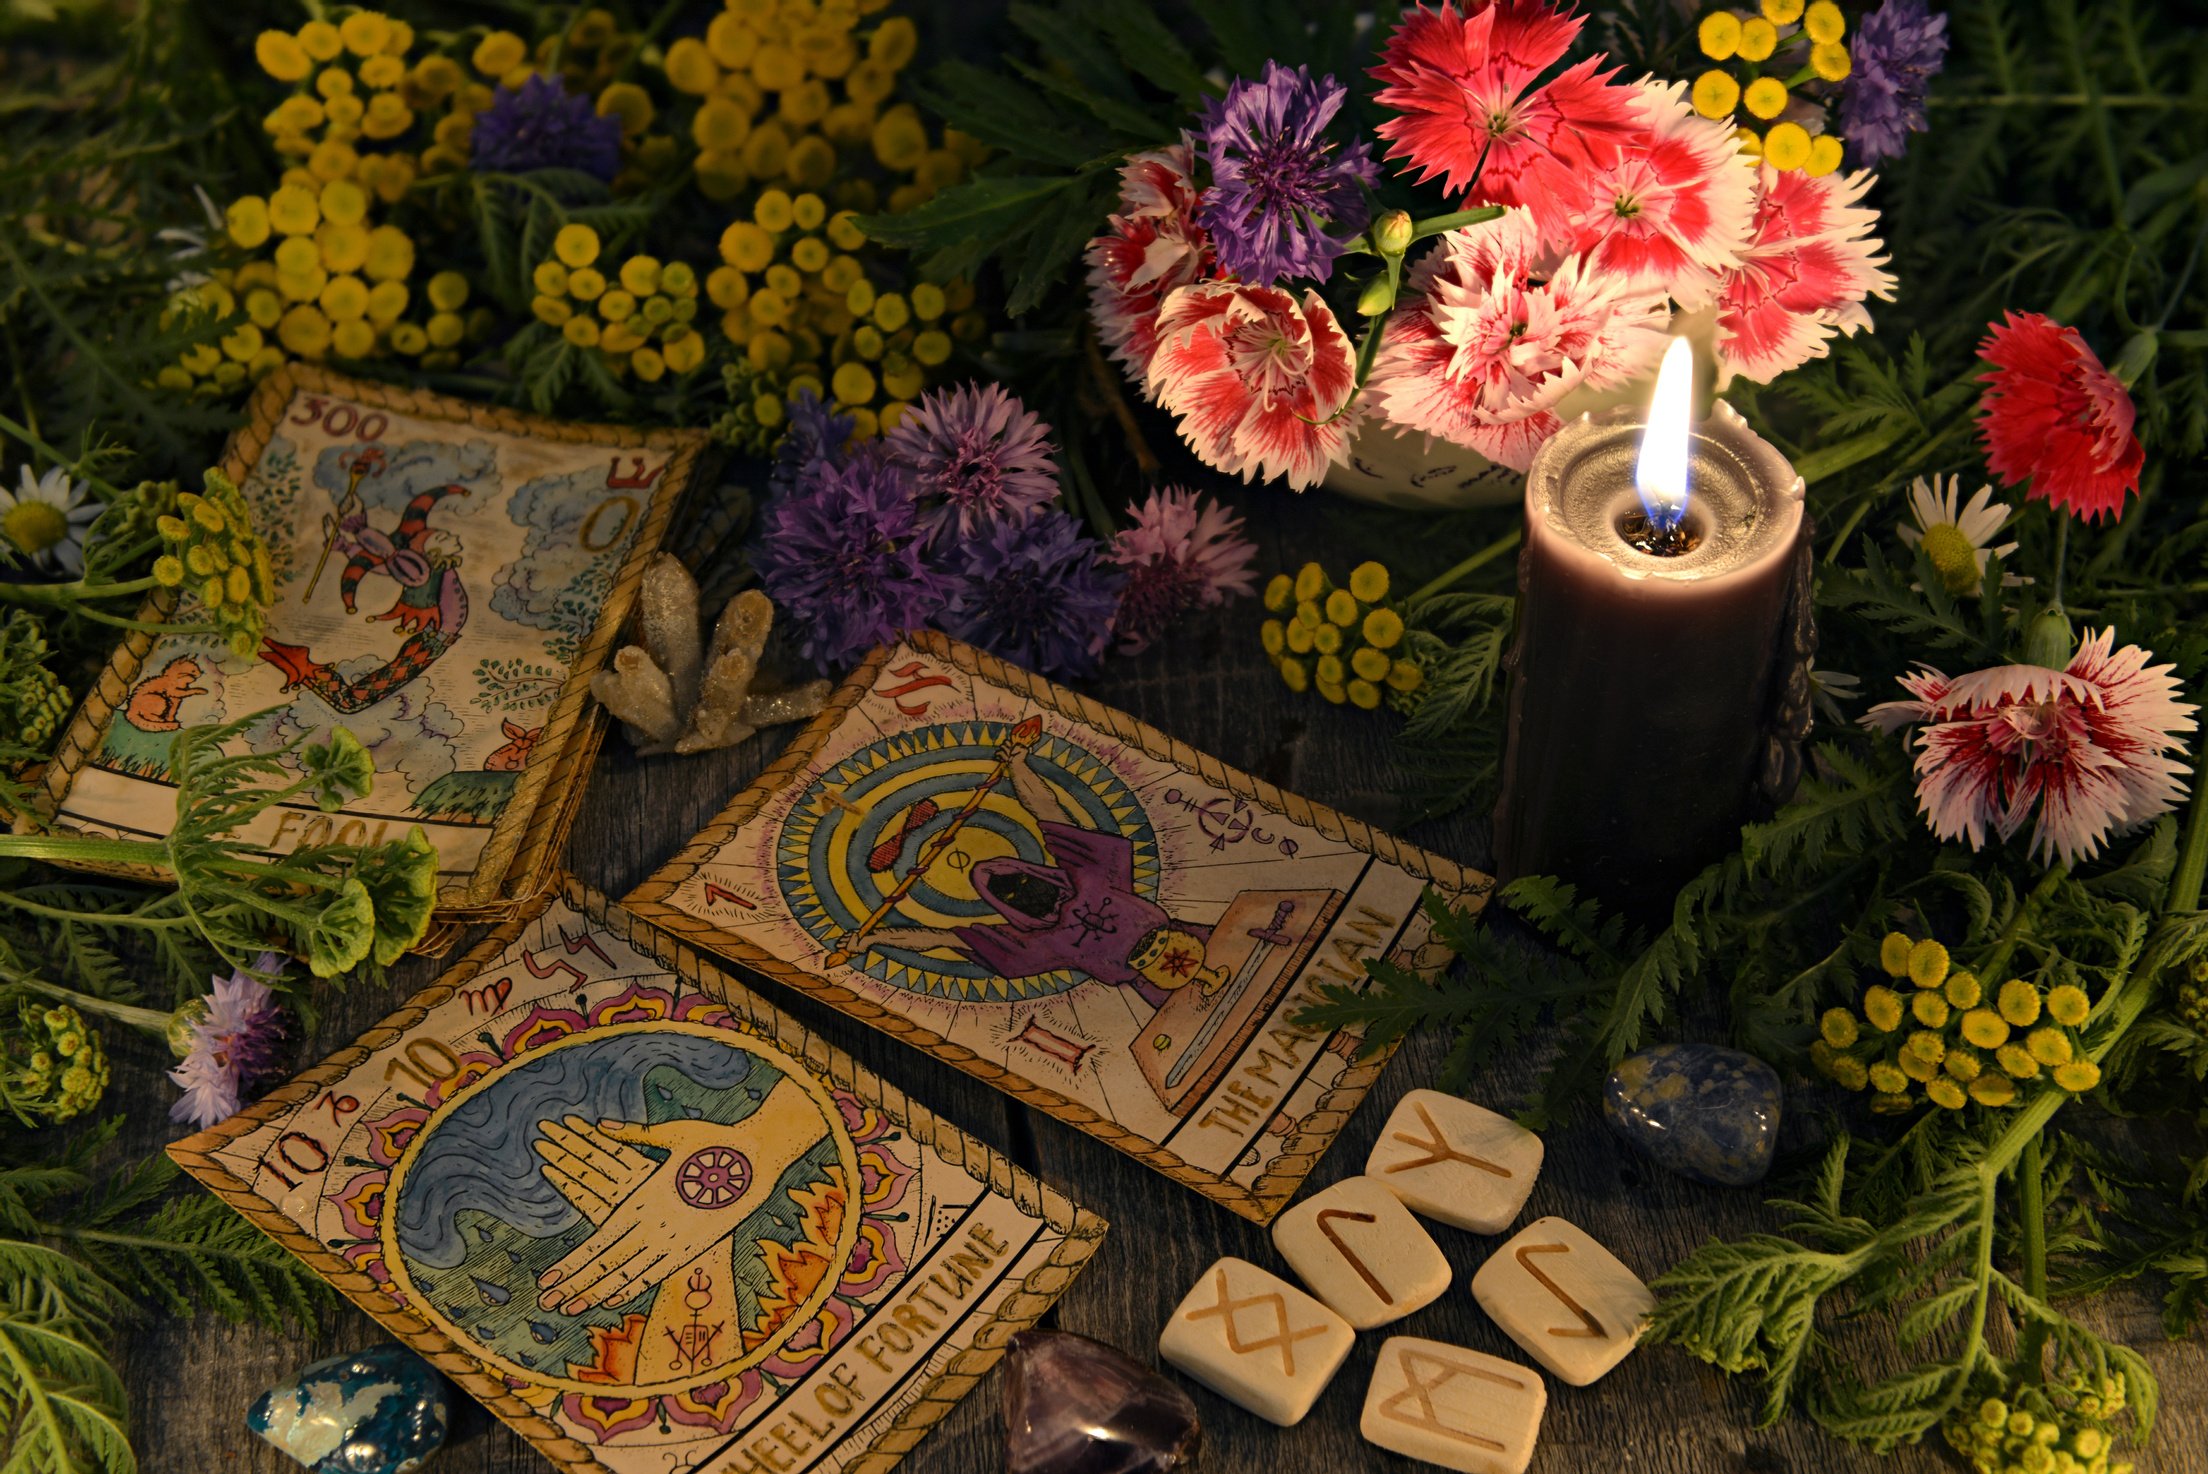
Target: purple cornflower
<point>1896,51</point>
<point>236,1044</point>
<point>814,442</point>
<point>1036,593</point>
<point>978,456</point>
<point>542,125</point>
<point>1278,184</point>
<point>841,558</point>
<point>1181,553</point>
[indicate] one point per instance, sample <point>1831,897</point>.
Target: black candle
<point>1653,604</point>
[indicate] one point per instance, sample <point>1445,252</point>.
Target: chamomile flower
<point>46,517</point>
<point>1956,535</point>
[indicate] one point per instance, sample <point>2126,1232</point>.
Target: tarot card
<point>645,1217</point>
<point>1068,904</point>
<point>448,578</point>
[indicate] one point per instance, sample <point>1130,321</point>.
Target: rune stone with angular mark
<point>1452,1160</point>
<point>1254,1338</point>
<point>1565,1298</point>
<point>1361,1251</point>
<point>1454,1407</point>
<point>1077,1406</point>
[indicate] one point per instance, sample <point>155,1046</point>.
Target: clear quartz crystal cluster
<point>677,693</point>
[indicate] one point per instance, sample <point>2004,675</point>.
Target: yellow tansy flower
<point>1718,35</point>
<point>1887,1079</point>
<point>577,245</point>
<point>281,56</point>
<point>1927,964</point>
<point>1985,1028</point>
<point>2019,1002</point>
<point>2049,1045</point>
<point>390,254</point>
<point>247,221</point>
<point>1837,1024</point>
<point>2016,1062</point>
<point>1930,1010</point>
<point>365,32</point>
<point>1962,990</point>
<point>499,53</point>
<point>1716,94</point>
<point>2067,1004</point>
<point>1786,146</point>
<point>321,40</point>
<point>1782,12</point>
<point>1830,61</point>
<point>629,103</point>
<point>1765,97</point>
<point>1963,1063</point>
<point>1823,22</point>
<point>2078,1076</point>
<point>1758,39</point>
<point>1893,954</point>
<point>1993,1090</point>
<point>691,68</point>
<point>1946,1094</point>
<point>1882,1008</point>
<point>1824,155</point>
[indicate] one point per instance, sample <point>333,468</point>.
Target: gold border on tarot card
<point>1259,1201</point>
<point>1083,1230</point>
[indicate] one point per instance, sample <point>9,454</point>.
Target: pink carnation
<point>1466,109</point>
<point>1258,379</point>
<point>1809,263</point>
<point>1490,335</point>
<point>2088,746</point>
<point>1154,246</point>
<point>1670,211</point>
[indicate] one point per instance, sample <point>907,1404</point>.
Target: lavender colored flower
<point>542,125</point>
<point>813,443</point>
<point>841,558</point>
<point>1896,51</point>
<point>1284,200</point>
<point>236,1044</point>
<point>1036,593</point>
<point>1182,553</point>
<point>978,456</point>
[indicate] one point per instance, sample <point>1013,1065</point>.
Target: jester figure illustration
<point>1075,909</point>
<point>431,607</point>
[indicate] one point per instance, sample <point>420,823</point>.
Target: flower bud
<point>2048,640</point>
<point>2138,354</point>
<point>1377,297</point>
<point>1391,233</point>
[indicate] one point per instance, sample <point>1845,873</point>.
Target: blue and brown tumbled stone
<point>379,1411</point>
<point>1700,1110</point>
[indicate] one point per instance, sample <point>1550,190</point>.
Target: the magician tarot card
<point>1069,905</point>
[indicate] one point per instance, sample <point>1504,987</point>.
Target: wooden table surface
<point>191,1381</point>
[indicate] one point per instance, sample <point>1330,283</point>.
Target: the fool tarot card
<point>1069,905</point>
<point>448,577</point>
<point>645,1217</point>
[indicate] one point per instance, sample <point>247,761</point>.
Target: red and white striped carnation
<point>2088,747</point>
<point>1154,245</point>
<point>1257,378</point>
<point>1671,209</point>
<point>1809,263</point>
<point>1491,334</point>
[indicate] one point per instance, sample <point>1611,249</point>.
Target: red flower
<point>2051,415</point>
<point>1461,86</point>
<point>1153,246</point>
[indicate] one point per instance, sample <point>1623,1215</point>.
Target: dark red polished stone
<point>1076,1406</point>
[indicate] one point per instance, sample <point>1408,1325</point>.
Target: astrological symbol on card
<point>916,677</point>
<point>1057,1046</point>
<point>583,941</point>
<point>529,960</point>
<point>1325,1222</point>
<point>1438,1148</point>
<point>1425,1374</point>
<point>489,998</point>
<point>1588,1326</point>
<point>1228,1308</point>
<point>339,1106</point>
<point>959,860</point>
<point>636,478</point>
<point>694,1342</point>
<point>722,893</point>
<point>289,1149</point>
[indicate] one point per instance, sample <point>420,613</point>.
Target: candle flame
<point>1660,476</point>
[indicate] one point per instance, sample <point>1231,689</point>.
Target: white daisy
<point>45,518</point>
<point>1956,539</point>
<point>1828,688</point>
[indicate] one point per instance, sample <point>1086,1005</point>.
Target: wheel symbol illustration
<point>713,1177</point>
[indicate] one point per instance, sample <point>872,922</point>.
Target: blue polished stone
<point>379,1411</point>
<point>1700,1110</point>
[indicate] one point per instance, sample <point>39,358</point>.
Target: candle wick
<point>1669,538</point>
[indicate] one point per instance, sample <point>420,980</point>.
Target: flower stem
<point>58,594</point>
<point>2031,1207</point>
<point>84,849</point>
<point>90,918</point>
<point>1989,971</point>
<point>2062,559</point>
<point>2192,852</point>
<point>1830,460</point>
<point>1478,560</point>
<point>153,1022</point>
<point>78,469</point>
